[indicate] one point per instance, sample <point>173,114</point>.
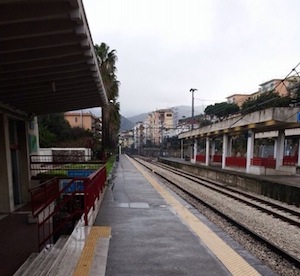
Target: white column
<point>250,148</point>
<point>230,146</point>
<point>225,149</point>
<point>195,148</point>
<point>299,153</point>
<point>207,152</point>
<point>191,143</point>
<point>181,150</point>
<point>194,151</point>
<point>275,147</point>
<point>213,147</point>
<point>280,148</point>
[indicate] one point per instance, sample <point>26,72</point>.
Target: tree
<point>55,131</point>
<point>110,114</point>
<point>295,95</point>
<point>221,110</point>
<point>53,128</point>
<point>265,100</point>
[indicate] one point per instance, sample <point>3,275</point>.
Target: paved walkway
<point>18,240</point>
<point>154,232</point>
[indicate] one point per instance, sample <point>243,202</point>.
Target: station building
<point>48,65</point>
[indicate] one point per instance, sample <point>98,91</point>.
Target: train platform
<point>140,227</point>
<point>18,240</point>
<point>154,232</point>
<point>291,180</point>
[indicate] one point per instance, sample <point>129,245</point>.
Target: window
<point>76,119</point>
<point>169,114</point>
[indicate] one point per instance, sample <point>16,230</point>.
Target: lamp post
<point>193,90</point>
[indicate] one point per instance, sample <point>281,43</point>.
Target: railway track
<point>279,211</point>
<point>272,209</point>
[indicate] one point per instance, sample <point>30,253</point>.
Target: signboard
<point>298,117</point>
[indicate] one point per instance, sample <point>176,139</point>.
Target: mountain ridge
<point>127,123</point>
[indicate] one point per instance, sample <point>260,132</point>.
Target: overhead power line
<point>282,81</point>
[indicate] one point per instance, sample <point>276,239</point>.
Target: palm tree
<point>110,115</point>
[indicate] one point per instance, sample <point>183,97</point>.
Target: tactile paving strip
<point>85,262</point>
<point>235,264</point>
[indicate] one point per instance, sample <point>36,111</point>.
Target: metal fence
<point>59,165</point>
<point>60,202</point>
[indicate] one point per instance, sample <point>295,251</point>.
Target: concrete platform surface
<point>154,232</point>
<point>18,240</point>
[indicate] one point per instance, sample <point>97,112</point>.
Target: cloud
<point>165,47</point>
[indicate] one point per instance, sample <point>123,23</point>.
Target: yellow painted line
<point>235,264</point>
<point>86,259</point>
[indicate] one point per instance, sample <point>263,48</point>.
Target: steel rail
<point>279,251</point>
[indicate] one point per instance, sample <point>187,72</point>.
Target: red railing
<point>267,162</point>
<point>200,158</point>
<point>92,189</point>
<point>236,162</point>
<point>290,160</point>
<point>270,162</point>
<point>43,195</point>
<point>54,207</point>
<point>217,158</point>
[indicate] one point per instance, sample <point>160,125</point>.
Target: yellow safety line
<point>236,264</point>
<point>86,259</point>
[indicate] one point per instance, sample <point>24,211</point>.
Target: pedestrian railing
<point>59,203</point>
<point>290,160</point>
<point>236,162</point>
<point>200,158</point>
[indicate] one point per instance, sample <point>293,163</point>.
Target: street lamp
<point>193,90</point>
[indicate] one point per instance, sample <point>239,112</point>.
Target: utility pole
<point>193,90</point>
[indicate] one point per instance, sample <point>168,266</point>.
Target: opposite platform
<point>154,232</point>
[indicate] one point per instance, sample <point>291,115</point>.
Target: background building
<point>282,87</point>
<point>85,120</point>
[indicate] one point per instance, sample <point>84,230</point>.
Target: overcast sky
<point>220,47</point>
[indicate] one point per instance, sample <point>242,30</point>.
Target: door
<point>15,162</point>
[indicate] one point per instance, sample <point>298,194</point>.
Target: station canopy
<point>47,58</point>
<point>270,119</point>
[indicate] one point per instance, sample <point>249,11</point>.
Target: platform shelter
<point>47,65</point>
<point>277,125</point>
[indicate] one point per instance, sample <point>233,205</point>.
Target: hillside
<point>183,110</point>
<point>126,124</point>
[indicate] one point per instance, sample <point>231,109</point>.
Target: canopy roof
<point>47,58</point>
<point>270,119</point>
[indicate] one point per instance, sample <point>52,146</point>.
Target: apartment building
<point>156,125</point>
<point>238,99</point>
<point>127,139</point>
<point>85,120</point>
<point>282,87</point>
